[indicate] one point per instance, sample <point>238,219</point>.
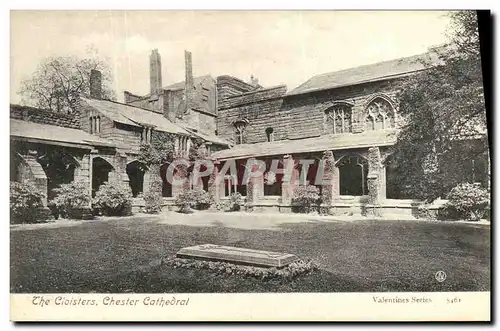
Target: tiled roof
<point>181,85</point>
<point>365,74</point>
<point>55,134</point>
<point>207,137</point>
<point>322,143</point>
<point>44,116</point>
<point>134,116</point>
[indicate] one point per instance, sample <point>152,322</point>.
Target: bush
<point>71,201</point>
<point>306,198</point>
<point>25,202</point>
<point>468,201</point>
<point>233,204</point>
<point>113,199</point>
<point>195,199</point>
<point>290,272</point>
<point>153,199</point>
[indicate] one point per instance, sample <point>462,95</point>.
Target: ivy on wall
<point>160,150</point>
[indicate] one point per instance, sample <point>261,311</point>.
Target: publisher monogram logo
<point>440,276</point>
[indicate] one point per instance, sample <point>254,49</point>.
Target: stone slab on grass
<point>237,255</point>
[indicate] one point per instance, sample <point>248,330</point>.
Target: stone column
<point>214,182</point>
<point>255,189</point>
<point>330,179</point>
<point>374,187</point>
<point>83,173</point>
<point>152,179</point>
<point>289,178</point>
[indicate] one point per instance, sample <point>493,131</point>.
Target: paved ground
<point>116,255</point>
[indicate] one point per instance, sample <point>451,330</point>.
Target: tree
<point>58,82</point>
<point>444,115</point>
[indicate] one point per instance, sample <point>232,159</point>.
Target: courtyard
<point>123,254</point>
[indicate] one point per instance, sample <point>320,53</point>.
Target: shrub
<point>222,205</point>
<point>468,201</point>
<point>195,199</point>
<point>290,272</point>
<point>153,199</point>
<point>305,199</point>
<point>113,199</point>
<point>71,200</point>
<point>25,202</point>
<point>233,204</point>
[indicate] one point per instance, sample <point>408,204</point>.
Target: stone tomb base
<point>236,255</point>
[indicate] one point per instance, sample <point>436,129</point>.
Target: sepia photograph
<point>159,155</point>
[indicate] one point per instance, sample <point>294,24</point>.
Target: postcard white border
<point>340,307</point>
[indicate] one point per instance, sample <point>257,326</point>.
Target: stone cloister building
<point>346,119</point>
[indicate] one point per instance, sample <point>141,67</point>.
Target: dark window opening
<point>166,191</point>
<point>270,134</point>
<point>135,172</point>
<point>353,171</point>
<point>100,173</point>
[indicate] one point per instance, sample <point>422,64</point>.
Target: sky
<point>277,47</point>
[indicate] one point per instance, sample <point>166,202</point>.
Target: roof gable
<point>366,73</point>
<point>134,116</point>
<point>181,85</point>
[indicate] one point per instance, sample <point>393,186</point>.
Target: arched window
<point>353,174</point>
<point>339,118</point>
<point>379,115</point>
<point>270,134</point>
<point>239,127</point>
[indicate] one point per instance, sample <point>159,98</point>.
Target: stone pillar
<point>373,207</point>
<point>255,189</point>
<point>330,179</point>
<point>83,173</point>
<point>374,187</point>
<point>214,182</point>
<point>121,168</point>
<point>152,179</point>
<point>93,153</point>
<point>289,178</point>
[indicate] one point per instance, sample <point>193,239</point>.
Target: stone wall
<point>262,110</point>
<point>229,86</point>
<point>296,116</point>
<point>306,113</point>
<point>44,116</point>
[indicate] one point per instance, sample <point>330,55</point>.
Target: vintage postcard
<point>249,166</point>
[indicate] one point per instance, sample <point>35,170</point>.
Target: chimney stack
<point>155,72</point>
<point>95,84</point>
<point>189,88</point>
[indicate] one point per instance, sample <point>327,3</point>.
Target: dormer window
<point>95,124</point>
<point>270,134</point>
<point>239,127</point>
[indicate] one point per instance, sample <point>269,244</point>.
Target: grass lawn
<point>363,256</point>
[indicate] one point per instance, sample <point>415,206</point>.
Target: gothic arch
<point>341,159</point>
<point>101,169</point>
<point>135,171</point>
<point>60,167</point>
<point>353,174</point>
<point>379,113</point>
